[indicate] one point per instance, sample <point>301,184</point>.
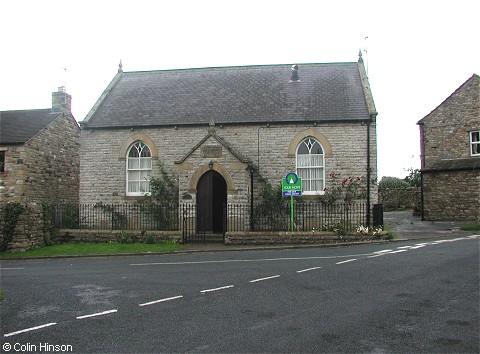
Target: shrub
<point>392,183</point>
<point>150,239</point>
<point>125,237</point>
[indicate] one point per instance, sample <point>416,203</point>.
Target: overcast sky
<point>417,52</point>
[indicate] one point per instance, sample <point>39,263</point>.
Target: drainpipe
<point>422,166</point>
<point>368,172</point>
<point>258,148</point>
<point>251,169</point>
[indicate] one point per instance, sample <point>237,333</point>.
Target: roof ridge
<point>236,66</point>
<point>102,97</point>
<point>28,110</point>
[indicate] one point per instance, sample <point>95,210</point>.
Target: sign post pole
<point>292,187</point>
<point>291,214</point>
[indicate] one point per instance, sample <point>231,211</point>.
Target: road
<point>393,297</point>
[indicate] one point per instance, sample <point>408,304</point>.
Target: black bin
<point>377,215</point>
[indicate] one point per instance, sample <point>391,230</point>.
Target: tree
<point>413,177</point>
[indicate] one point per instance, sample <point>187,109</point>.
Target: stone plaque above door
<point>209,151</point>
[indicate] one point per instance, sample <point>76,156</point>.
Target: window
<point>139,167</point>
<point>475,143</point>
<point>310,166</point>
<point>2,161</point>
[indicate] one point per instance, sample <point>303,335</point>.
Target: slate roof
<point>17,127</point>
<point>248,94</point>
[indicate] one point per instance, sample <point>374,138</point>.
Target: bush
<point>125,237</point>
<point>392,183</point>
<point>149,240</point>
<point>471,227</point>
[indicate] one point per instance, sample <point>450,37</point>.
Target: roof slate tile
<point>250,94</point>
<point>17,127</point>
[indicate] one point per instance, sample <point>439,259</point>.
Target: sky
<point>417,52</point>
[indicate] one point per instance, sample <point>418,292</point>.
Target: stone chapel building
<point>220,131</point>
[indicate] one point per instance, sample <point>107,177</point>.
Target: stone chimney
<point>61,101</point>
<point>295,77</point>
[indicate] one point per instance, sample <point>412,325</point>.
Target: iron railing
<point>116,217</point>
<point>307,217</point>
<point>237,217</point>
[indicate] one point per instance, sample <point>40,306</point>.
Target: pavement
<point>404,225</point>
<point>407,226</point>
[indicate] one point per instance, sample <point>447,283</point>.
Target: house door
<point>211,197</point>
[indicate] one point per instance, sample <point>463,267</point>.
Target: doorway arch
<point>211,198</point>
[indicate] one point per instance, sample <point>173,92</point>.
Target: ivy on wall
<point>11,215</point>
<point>164,189</point>
<point>47,225</point>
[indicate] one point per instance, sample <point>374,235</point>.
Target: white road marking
<point>30,329</point>
<point>399,251</point>
<point>404,247</point>
<point>96,314</point>
<point>249,260</point>
<point>417,247</point>
<point>347,261</point>
<point>308,269</point>
<point>216,289</point>
<point>380,253</point>
<point>262,279</point>
<point>161,300</point>
<point>12,268</point>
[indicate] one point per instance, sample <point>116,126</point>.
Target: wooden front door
<point>211,197</point>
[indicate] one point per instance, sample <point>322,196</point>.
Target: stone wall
<point>452,192</point>
<point>289,238</point>
<point>103,170</point>
<point>446,129</point>
<point>29,230</point>
<point>452,195</point>
<point>46,168</point>
<point>400,198</point>
<point>103,236</point>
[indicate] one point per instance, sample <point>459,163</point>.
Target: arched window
<point>139,168</point>
<point>310,166</point>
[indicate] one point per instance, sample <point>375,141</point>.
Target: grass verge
<point>389,229</point>
<point>471,227</point>
<point>69,249</point>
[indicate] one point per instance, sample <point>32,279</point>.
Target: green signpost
<point>292,187</point>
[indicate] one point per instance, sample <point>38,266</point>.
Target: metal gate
<point>193,230</point>
<point>194,227</point>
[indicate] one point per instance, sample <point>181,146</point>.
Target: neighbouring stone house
<point>450,156</point>
<point>221,131</point>
<point>39,162</point>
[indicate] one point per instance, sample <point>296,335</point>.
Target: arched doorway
<point>211,197</point>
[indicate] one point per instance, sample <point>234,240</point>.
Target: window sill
<point>137,197</point>
<point>313,193</point>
